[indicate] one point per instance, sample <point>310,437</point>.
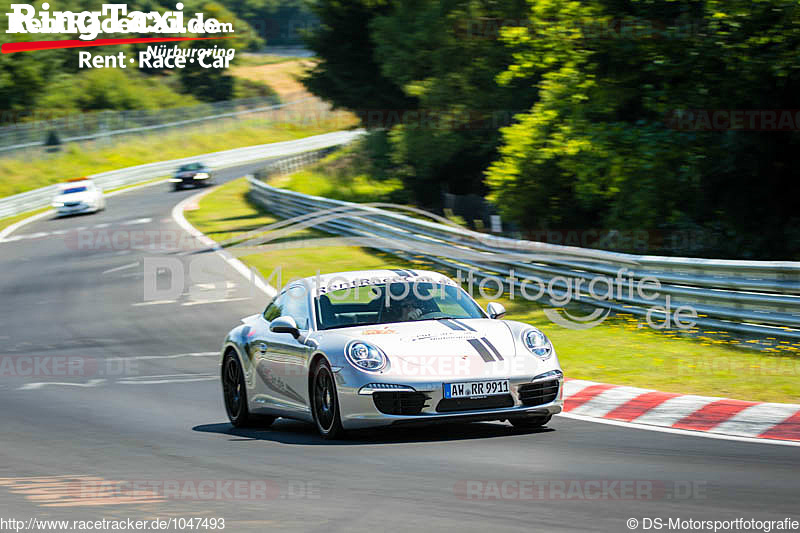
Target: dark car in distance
<point>191,175</point>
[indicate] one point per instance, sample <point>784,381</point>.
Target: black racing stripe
<point>488,343</point>
<point>481,349</point>
<point>451,324</point>
<point>468,328</point>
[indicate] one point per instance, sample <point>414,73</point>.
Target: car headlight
<point>365,356</point>
<point>537,343</point>
<point>201,176</point>
<point>58,204</point>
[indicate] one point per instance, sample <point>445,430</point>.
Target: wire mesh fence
<point>44,132</point>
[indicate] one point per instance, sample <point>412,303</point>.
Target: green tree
<point>598,147</point>
<point>446,56</point>
<point>214,84</point>
<point>347,72</point>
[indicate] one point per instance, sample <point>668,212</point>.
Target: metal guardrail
<point>752,297</point>
<point>35,199</point>
<point>292,163</point>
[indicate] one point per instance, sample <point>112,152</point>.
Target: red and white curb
<point>722,416</point>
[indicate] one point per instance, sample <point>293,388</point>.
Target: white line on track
<point>684,432</point>
<point>173,356</point>
<point>174,378</point>
<point>33,386</point>
<point>137,221</point>
<point>241,268</point>
<point>154,302</point>
<point>221,300</point>
<point>123,267</point>
<point>15,226</point>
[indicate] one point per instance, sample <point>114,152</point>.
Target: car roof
<point>76,183</point>
<point>341,280</point>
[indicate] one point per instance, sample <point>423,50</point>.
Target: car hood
<point>417,342</point>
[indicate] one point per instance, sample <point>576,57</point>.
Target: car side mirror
<point>495,310</point>
<point>284,324</point>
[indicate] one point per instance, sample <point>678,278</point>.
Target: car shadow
<point>295,432</point>
<point>56,216</point>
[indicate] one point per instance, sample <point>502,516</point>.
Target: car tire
<point>234,393</point>
<point>325,402</point>
<point>530,422</point>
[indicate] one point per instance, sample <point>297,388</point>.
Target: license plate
<point>472,389</point>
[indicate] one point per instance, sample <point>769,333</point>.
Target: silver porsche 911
<point>382,347</point>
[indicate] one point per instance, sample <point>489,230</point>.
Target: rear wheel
<point>530,422</point>
<point>235,394</point>
<point>325,402</point>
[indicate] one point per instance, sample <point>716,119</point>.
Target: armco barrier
<point>752,297</point>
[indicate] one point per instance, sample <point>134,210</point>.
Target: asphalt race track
<point>148,408</point>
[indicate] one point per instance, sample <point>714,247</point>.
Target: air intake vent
<point>539,393</point>
<point>473,404</point>
<point>400,403</point>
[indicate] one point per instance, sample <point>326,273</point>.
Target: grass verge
<point>618,351</point>
<point>343,175</point>
<point>7,221</point>
<point>282,75</point>
<point>23,173</point>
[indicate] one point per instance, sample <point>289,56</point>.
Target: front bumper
<point>191,181</point>
<point>75,209</point>
<point>360,410</point>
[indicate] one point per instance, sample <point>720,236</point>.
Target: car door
<point>258,337</point>
<point>281,359</point>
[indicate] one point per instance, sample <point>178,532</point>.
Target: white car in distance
<point>79,196</point>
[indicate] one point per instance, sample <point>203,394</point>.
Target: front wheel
<point>325,402</point>
<point>235,394</point>
<point>530,422</point>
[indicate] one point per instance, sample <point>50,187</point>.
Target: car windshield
<point>73,190</point>
<point>405,302</point>
<point>191,166</point>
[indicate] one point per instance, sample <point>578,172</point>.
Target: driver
<point>409,310</point>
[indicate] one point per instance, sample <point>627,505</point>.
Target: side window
<point>295,301</point>
<point>275,308</point>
